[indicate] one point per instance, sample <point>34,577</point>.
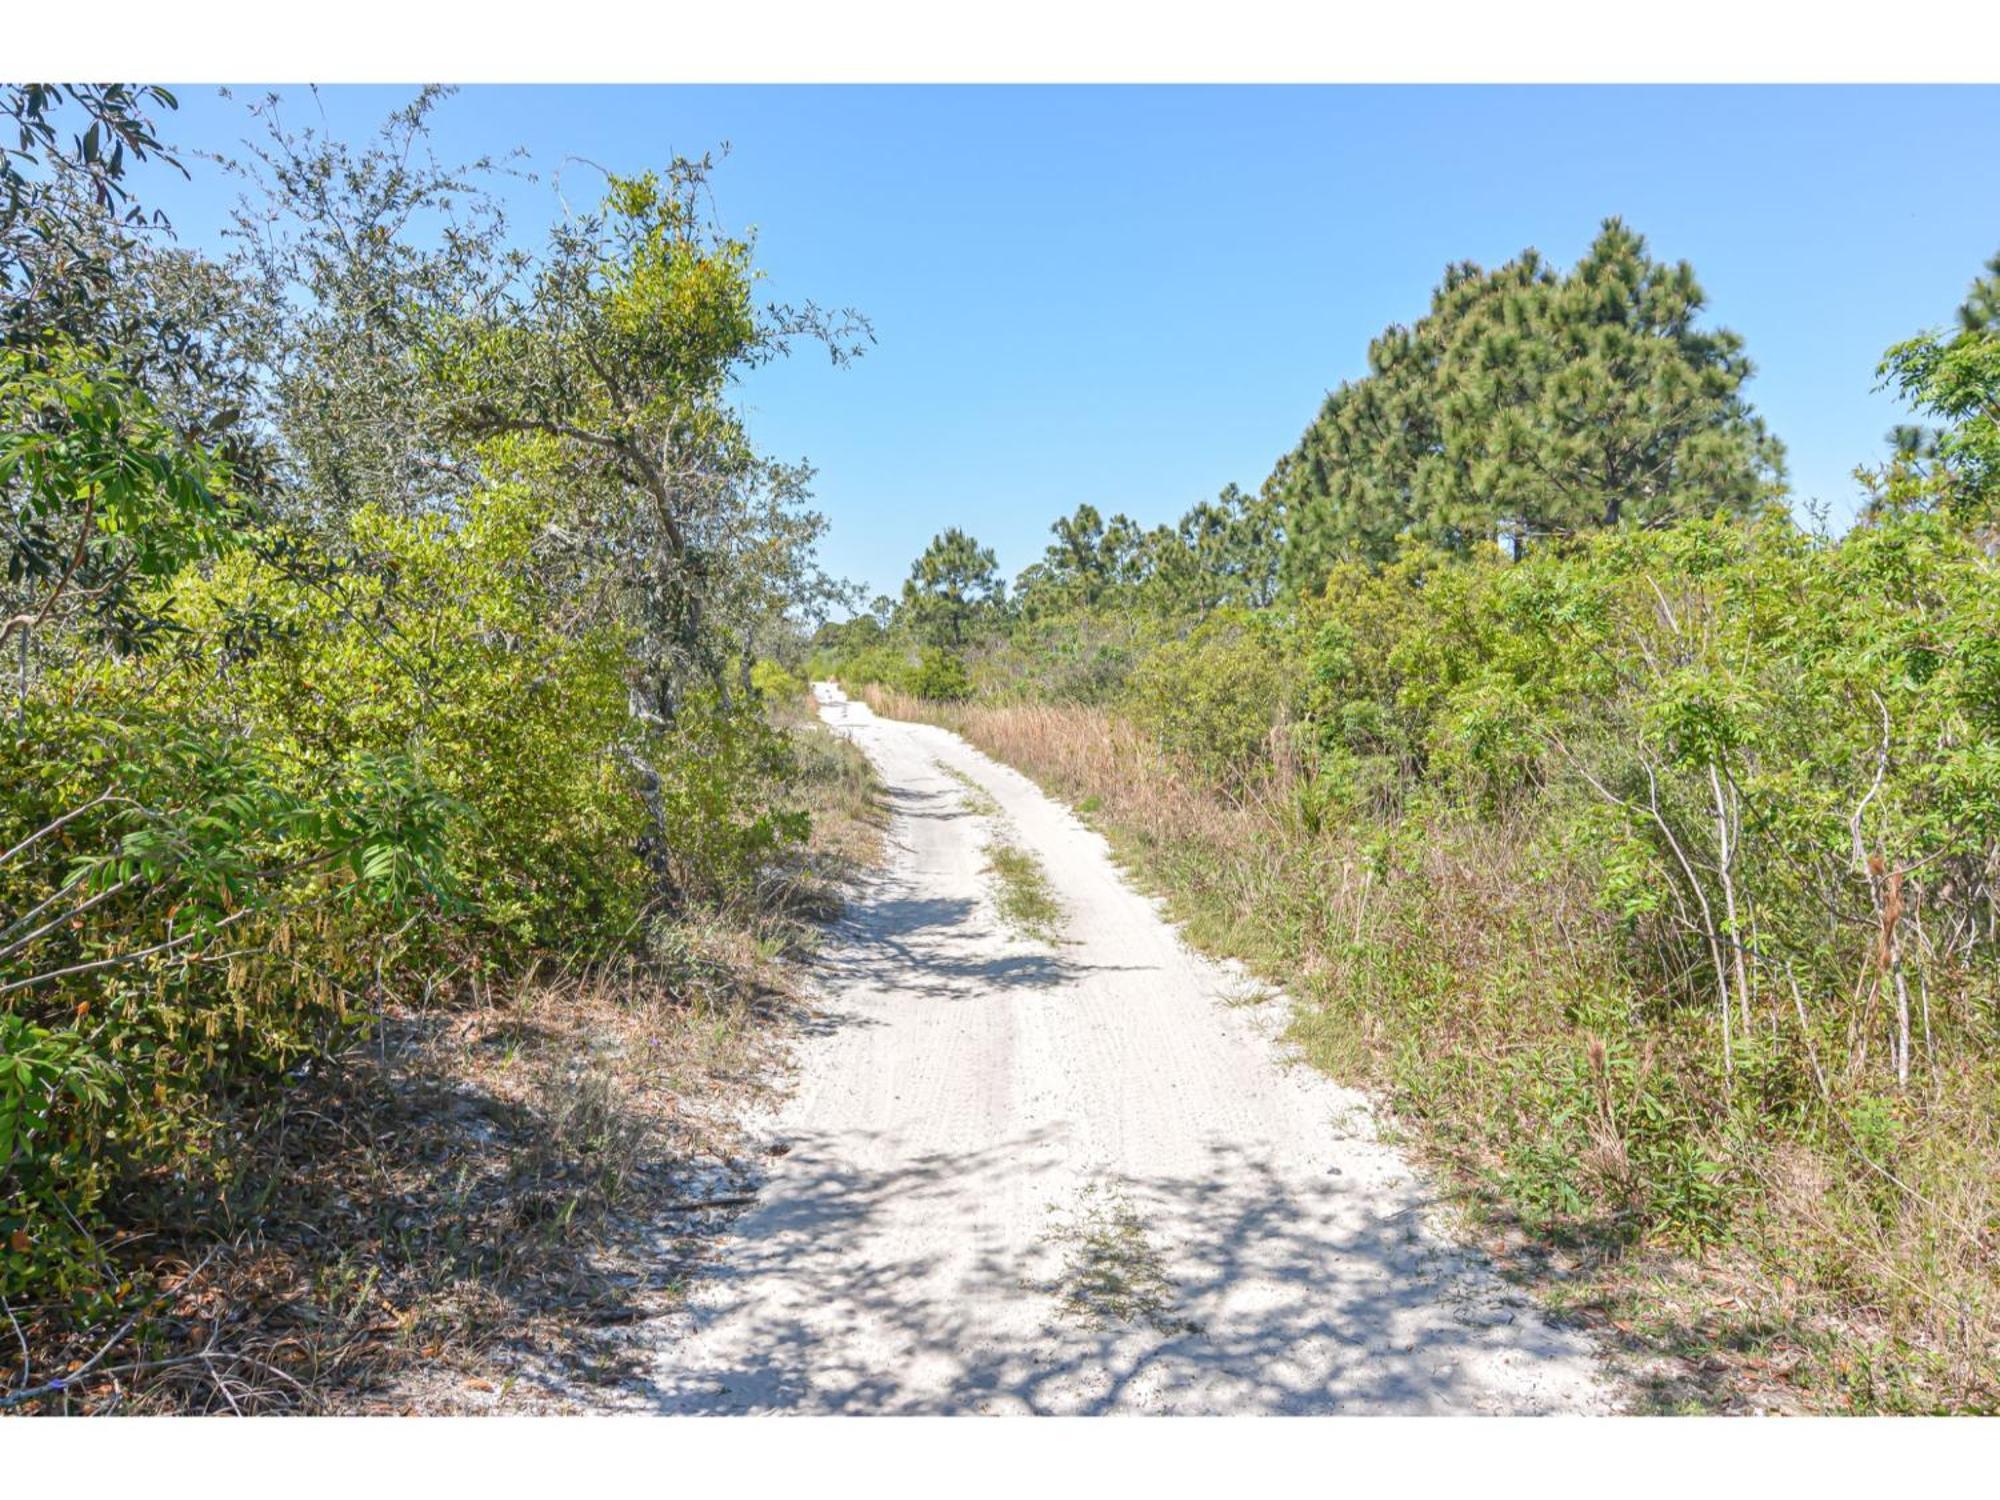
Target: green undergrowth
<point>1736,1246</point>
<point>1028,902</point>
<point>972,796</point>
<point>1112,1272</point>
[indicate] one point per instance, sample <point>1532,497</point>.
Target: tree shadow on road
<point>934,947</point>
<point>1373,1318</point>
<point>944,805</point>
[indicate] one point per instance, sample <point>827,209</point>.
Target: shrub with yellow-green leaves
<point>437,640</point>
<point>219,854</point>
<point>1215,698</point>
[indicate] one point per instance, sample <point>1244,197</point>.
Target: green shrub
<point>410,766</point>
<point>940,676</point>
<point>887,666</point>
<point>180,923</point>
<point>1215,698</point>
<point>1076,656</point>
<point>724,775</point>
<point>774,684</point>
<point>443,648</point>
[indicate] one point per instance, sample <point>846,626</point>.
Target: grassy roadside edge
<point>1691,1332</point>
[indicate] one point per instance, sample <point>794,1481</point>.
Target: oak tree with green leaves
<point>607,388</point>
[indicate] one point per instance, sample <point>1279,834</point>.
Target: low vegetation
<point>1027,902</point>
<point>971,795</point>
<point>1112,1273</point>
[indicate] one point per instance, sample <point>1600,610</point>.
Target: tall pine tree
<point>1526,404</point>
<point>952,586</point>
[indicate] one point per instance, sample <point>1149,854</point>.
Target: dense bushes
<point>774,683</point>
<point>940,675</point>
<point>180,919</point>
<point>1767,763</point>
<point>1783,751</point>
<point>1215,698</point>
<point>396,769</point>
<point>931,672</point>
<point>436,638</point>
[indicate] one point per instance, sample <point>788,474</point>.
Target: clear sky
<point>1134,295</point>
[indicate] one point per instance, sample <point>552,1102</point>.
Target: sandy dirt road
<point>1077,1177</point>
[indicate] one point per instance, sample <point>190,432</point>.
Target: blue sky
<point>1135,295</point>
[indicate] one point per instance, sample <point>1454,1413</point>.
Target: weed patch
<point>1112,1272</point>
<point>1027,902</point>
<point>973,797</point>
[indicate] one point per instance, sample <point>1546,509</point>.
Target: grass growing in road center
<point>1027,901</point>
<point>975,800</point>
<point>1112,1271</point>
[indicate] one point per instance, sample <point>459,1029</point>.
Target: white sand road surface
<point>1080,1176</point>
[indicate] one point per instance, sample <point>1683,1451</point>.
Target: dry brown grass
<point>1088,756</point>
